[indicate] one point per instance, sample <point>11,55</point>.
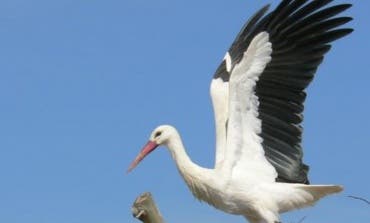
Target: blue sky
<point>83,83</point>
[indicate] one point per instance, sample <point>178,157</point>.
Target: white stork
<point>258,93</point>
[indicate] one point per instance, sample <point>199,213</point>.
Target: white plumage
<point>258,94</point>
<point>259,200</point>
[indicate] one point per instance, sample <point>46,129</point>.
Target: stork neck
<point>178,153</point>
<point>197,178</point>
<point>183,162</point>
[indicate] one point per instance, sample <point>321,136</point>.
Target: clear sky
<point>83,83</point>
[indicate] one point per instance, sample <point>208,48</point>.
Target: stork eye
<point>157,134</point>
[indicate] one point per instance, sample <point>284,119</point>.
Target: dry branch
<point>360,198</point>
<point>145,209</point>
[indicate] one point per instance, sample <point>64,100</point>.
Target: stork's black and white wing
<point>258,91</point>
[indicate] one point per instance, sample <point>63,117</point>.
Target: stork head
<point>160,136</point>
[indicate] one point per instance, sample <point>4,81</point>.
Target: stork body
<point>259,200</point>
<point>258,93</point>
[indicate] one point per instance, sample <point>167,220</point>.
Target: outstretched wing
<point>300,32</point>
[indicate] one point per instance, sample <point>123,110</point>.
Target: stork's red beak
<point>148,148</point>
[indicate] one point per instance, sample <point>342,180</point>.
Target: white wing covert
<point>245,157</point>
<point>220,88</point>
